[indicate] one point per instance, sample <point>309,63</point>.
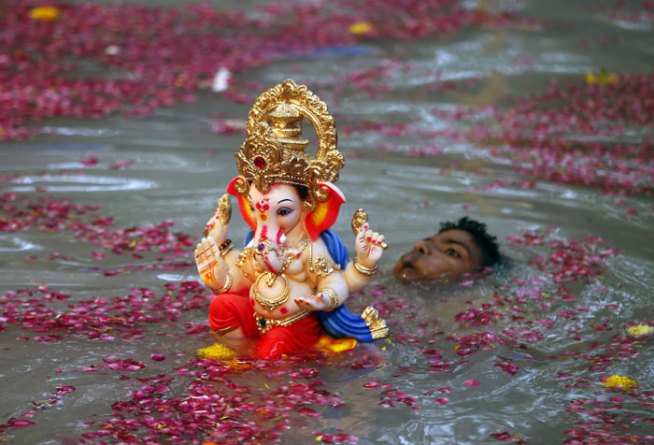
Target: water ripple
<point>80,183</point>
<point>16,244</point>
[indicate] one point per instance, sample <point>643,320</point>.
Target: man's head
<point>458,248</point>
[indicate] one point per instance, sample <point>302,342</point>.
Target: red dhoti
<point>234,310</point>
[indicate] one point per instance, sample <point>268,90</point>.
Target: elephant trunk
<point>269,243</point>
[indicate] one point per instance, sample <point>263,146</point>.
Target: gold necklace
<point>300,246</point>
<point>270,304</point>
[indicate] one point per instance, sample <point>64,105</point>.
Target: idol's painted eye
<point>284,211</point>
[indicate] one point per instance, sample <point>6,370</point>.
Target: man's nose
<point>422,247</point>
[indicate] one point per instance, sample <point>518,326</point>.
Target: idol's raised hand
<point>218,225</point>
<point>369,245</point>
<point>211,266</point>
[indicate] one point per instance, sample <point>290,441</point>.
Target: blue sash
<point>341,322</point>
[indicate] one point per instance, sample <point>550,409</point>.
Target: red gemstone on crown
<point>259,162</point>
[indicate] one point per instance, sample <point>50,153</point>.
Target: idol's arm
<point>217,260</point>
<point>331,292</point>
<point>331,287</point>
<point>369,251</point>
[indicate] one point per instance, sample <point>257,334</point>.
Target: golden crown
<point>274,150</point>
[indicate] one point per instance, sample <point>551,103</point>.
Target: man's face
<point>445,255</point>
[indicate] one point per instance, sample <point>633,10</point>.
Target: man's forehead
<point>453,233</point>
<point>458,235</point>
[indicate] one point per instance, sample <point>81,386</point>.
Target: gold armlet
<point>363,270</point>
<point>242,257</point>
<point>333,298</point>
<point>322,267</point>
<point>227,285</point>
<point>240,262</point>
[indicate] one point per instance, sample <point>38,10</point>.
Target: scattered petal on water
<point>640,330</point>
<point>121,164</point>
<point>62,390</point>
<point>601,78</point>
<point>359,28</point>
<point>45,13</point>
<point>89,161</point>
<point>505,436</point>
<point>221,80</point>
<point>19,423</point>
<point>620,382</point>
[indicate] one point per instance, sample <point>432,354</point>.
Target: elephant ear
<point>323,216</point>
<point>243,205</point>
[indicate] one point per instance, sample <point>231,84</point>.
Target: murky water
<point>542,353</point>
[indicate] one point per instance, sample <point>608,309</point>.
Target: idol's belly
<point>274,295</point>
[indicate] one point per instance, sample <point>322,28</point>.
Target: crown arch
<point>273,153</point>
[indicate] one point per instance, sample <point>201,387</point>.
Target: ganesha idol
<point>287,287</point>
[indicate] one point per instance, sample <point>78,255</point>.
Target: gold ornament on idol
<point>227,285</point>
<point>268,303</point>
<point>223,213</point>
<point>333,298</point>
<point>363,270</point>
<point>359,218</point>
<point>274,149</point>
<point>265,324</point>
<point>224,209</point>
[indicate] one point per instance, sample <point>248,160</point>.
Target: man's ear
<point>325,213</point>
<point>243,204</point>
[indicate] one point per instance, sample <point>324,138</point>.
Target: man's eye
<point>283,212</point>
<point>453,253</point>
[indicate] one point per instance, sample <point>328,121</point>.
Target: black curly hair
<point>490,253</point>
